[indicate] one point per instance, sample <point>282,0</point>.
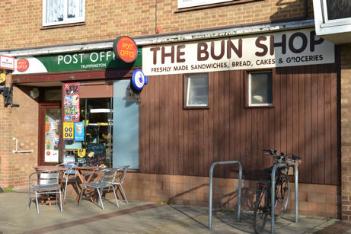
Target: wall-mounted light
<point>34,93</point>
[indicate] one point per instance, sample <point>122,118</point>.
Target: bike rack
<point>296,172</point>
<point>211,188</point>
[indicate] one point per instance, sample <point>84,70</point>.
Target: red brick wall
<point>105,19</point>
<point>22,123</point>
<point>346,132</point>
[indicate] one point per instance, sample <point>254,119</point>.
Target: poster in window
<point>52,122</point>
<point>71,102</point>
<point>79,131</point>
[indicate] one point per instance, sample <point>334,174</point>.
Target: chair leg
<point>80,195</point>
<point>123,193</point>
<point>66,182</point>
<point>61,208</point>
<point>100,198</point>
<point>114,193</point>
<point>36,202</point>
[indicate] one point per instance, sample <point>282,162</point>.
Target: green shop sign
<point>80,61</point>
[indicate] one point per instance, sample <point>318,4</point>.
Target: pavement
<point>140,217</point>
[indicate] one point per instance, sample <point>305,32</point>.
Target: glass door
<point>49,133</point>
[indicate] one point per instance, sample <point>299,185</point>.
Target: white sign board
<point>283,49</point>
<point>7,62</point>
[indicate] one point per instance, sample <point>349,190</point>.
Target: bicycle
<point>262,206</point>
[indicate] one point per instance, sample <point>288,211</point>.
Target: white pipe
<point>20,151</point>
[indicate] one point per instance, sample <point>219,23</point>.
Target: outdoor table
<point>87,175</point>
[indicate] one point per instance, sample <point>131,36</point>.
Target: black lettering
<point>164,54</point>
<point>281,44</point>
<point>304,42</point>
<point>261,46</point>
<point>202,53</point>
<point>222,50</point>
<point>315,40</point>
<point>237,50</point>
<point>154,54</point>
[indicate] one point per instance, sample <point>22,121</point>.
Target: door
<point>49,133</point>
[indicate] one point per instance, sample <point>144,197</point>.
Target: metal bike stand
<point>211,188</point>
<point>296,172</point>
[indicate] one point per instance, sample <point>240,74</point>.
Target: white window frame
<point>65,20</point>
<point>194,3</point>
<point>335,22</point>
<point>249,93</point>
<point>187,96</point>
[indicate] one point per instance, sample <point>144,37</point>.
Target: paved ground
<point>138,217</point>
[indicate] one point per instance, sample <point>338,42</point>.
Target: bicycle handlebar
<point>280,156</point>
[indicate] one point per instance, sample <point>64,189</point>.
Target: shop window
<point>56,12</point>
<point>259,89</point>
<point>95,146</point>
<point>196,87</point>
<point>337,12</point>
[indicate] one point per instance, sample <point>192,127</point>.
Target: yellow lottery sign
<point>68,133</point>
<point>2,77</point>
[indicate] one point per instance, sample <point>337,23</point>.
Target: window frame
<point>186,92</point>
<point>65,20</point>
<point>334,22</point>
<point>248,89</point>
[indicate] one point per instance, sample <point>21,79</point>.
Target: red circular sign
<point>125,49</point>
<point>22,65</point>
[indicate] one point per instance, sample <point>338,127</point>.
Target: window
<point>196,90</point>
<point>337,11</point>
<point>192,3</point>
<point>260,89</point>
<point>57,12</point>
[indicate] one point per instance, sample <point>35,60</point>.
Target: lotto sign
<point>68,133</point>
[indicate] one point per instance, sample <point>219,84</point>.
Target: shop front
<point>85,103</point>
<point>213,98</point>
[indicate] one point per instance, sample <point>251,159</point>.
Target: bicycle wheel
<point>282,192</point>
<point>261,210</point>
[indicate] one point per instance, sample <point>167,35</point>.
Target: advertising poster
<point>68,130</point>
<point>52,137</point>
<point>79,131</point>
<point>71,102</point>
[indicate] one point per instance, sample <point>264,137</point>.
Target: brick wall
<point>105,19</point>
<point>346,132</point>
<point>22,123</point>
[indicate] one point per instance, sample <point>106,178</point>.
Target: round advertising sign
<point>125,49</point>
<point>138,80</point>
<point>22,65</point>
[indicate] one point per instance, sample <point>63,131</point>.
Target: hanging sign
<point>138,80</point>
<point>281,49</point>
<point>79,131</point>
<point>71,102</point>
<point>68,130</point>
<point>2,77</point>
<point>125,49</point>
<point>7,62</point>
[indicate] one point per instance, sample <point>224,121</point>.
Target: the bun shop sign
<point>292,48</point>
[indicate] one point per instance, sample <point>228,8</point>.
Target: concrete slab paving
<point>136,217</point>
